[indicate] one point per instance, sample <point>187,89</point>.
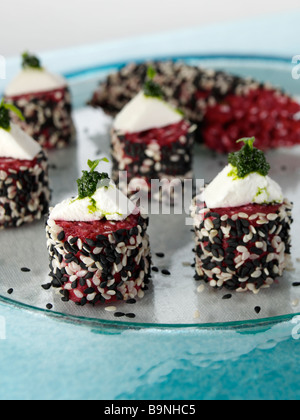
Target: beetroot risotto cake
<point>24,183</point>
<point>44,100</point>
<point>151,140</point>
<point>98,244</point>
<point>223,106</point>
<point>242,224</point>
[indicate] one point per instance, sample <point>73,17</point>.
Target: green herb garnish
<point>89,182</point>
<point>248,160</point>
<point>151,88</point>
<point>5,117</point>
<point>30,61</point>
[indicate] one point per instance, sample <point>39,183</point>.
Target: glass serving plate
<point>171,301</point>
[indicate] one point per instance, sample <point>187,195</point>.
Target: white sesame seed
<point>96,280</point>
<point>106,296</point>
<point>262,221</point>
<point>247,238</point>
<point>141,294</point>
<point>110,282</point>
<point>259,244</point>
<point>201,288</point>
<point>243,215</point>
<point>91,297</point>
<point>208,224</point>
<point>256,274</point>
<point>78,294</point>
<point>69,271</point>
<point>196,314</point>
<point>97,250</point>
<point>242,249</point>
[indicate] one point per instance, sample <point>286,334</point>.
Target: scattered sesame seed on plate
<point>25,270</point>
<point>46,286</point>
<point>119,314</point>
<point>201,288</point>
<point>196,314</point>
<point>10,291</point>
<point>110,308</point>
<point>257,309</point>
<point>130,315</point>
<point>186,264</point>
<point>131,301</point>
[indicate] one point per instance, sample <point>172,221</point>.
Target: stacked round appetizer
<point>44,100</point>
<point>98,245</point>
<point>224,107</point>
<point>242,225</point>
<point>24,183</point>
<point>151,140</point>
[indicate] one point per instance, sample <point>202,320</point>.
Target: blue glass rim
<point>117,65</point>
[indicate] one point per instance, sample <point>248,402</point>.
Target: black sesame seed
<point>257,251</point>
<point>90,242</point>
<point>46,286</point>
<point>160,254</point>
<point>130,315</point>
<point>74,284</point>
<point>134,231</point>
<point>166,272</point>
<point>83,301</point>
<point>61,236</point>
<point>10,291</point>
<point>155,269</point>
<point>119,295</point>
<point>119,314</point>
<point>296,284</point>
<point>257,309</point>
<point>49,306</point>
<point>245,223</point>
<point>73,240</point>
<point>68,247</point>
<point>89,275</point>
<point>86,247</point>
<point>215,253</point>
<point>89,290</point>
<point>25,270</point>
<point>82,282</point>
<point>226,297</point>
<point>131,301</point>
<point>217,240</point>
